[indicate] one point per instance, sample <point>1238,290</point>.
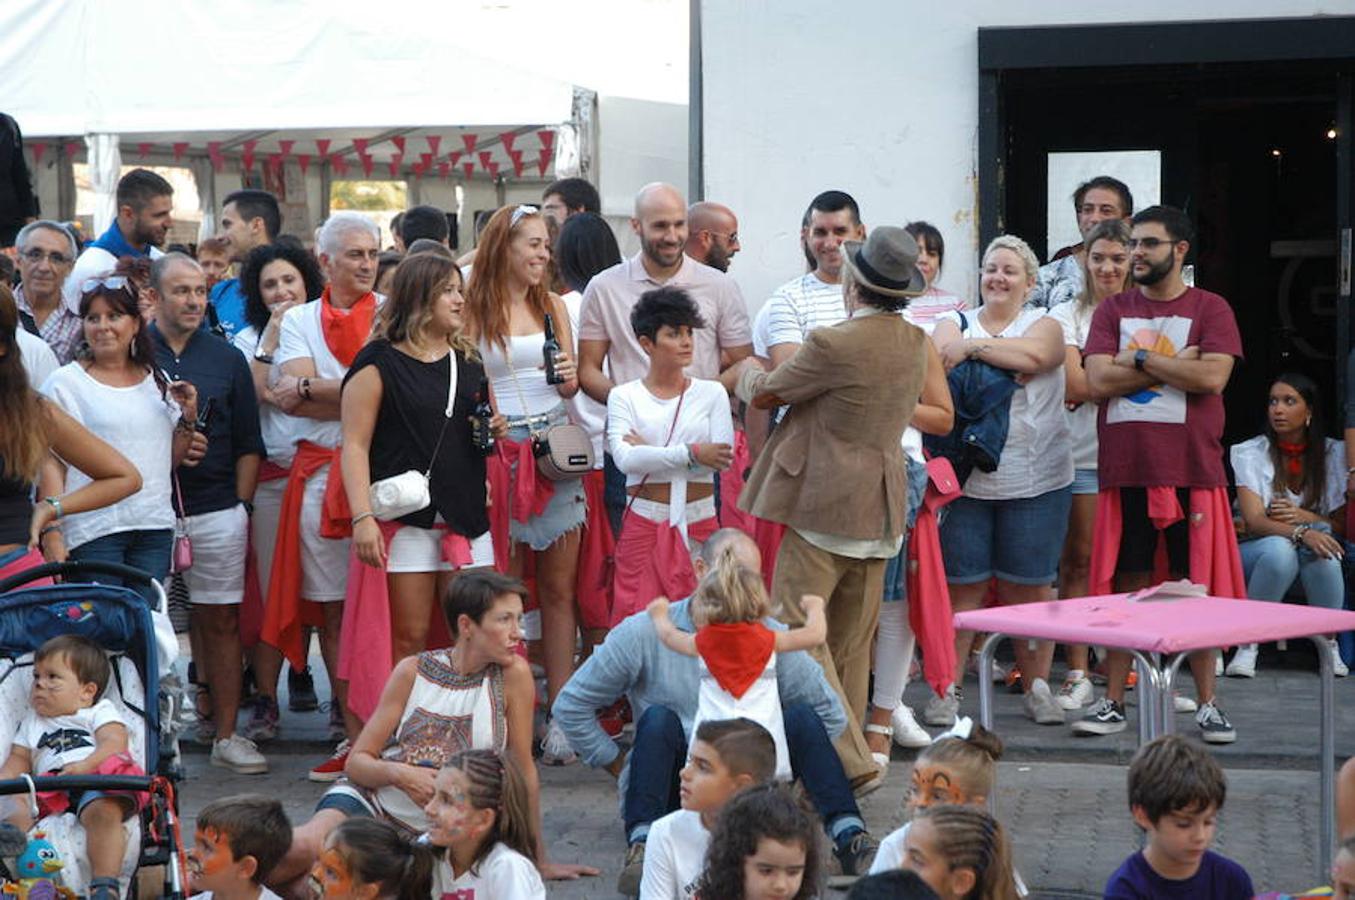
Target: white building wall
<point>878,98</point>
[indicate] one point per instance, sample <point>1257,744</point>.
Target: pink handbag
<point>181,559</point>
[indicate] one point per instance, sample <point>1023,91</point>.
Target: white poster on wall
<point>1141,170</point>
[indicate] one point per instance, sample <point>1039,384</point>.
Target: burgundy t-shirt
<point>1161,435</point>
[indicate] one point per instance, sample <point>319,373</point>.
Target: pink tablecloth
<point>1157,626</point>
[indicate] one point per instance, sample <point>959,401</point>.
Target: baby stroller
<point>141,647</point>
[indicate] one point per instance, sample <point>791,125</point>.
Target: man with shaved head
<point>663,686</point>
<point>712,234</point>
<point>605,332</point>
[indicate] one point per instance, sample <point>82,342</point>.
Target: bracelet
<point>1299,531</point>
<point>265,358</point>
<point>360,516</point>
<point>56,504</point>
<point>185,424</point>
<point>305,388</point>
<point>48,529</point>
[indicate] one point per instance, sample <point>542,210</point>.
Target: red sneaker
<point>614,718</point>
<point>332,768</point>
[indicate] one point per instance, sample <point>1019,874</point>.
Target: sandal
<point>881,759</point>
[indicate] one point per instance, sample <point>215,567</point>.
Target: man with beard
<point>605,331</point>
<point>145,202</point>
<point>1159,357</point>
<point>712,234</point>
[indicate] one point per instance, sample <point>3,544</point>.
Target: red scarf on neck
<point>1292,454</point>
<point>346,330</point>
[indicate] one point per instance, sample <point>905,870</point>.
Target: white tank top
<point>524,352</point>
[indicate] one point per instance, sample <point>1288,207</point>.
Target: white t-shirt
<point>1076,322</point>
<point>801,305</point>
<point>890,855</point>
<point>584,411</point>
<point>139,424</point>
<point>1254,471</point>
<point>38,359</point>
<point>1036,458</point>
<point>302,337</point>
<point>925,311</point>
<point>264,894</point>
<point>280,430</point>
<point>58,742</point>
<point>675,856</point>
<point>503,873</point>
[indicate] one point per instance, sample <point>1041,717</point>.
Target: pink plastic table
<point>1172,628</point>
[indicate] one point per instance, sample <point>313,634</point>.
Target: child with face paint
<point>961,852</point>
<point>236,842</point>
<point>959,766</point>
<point>367,859</point>
<point>480,817</point>
<point>765,846</point>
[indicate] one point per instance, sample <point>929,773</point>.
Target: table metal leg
<point>986,654</point>
<point>1168,685</point>
<point>1150,701</point>
<point>1326,827</point>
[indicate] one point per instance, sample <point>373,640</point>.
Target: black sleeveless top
<point>16,509</point>
<point>413,407</point>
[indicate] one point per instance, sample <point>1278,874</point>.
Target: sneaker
<point>332,768</point>
<point>1183,704</point>
<point>1218,664</point>
<point>1338,665</point>
<point>1105,717</point>
<point>263,719</point>
<point>239,754</point>
<point>628,883</point>
<point>855,856</point>
<point>940,712</point>
<point>555,749</point>
<point>1041,705</point>
<point>1215,725</point>
<point>1000,673</point>
<point>1098,676</point>
<point>301,691</point>
<point>337,730</point>
<point>1243,663</point>
<point>907,733</point>
<point>1076,691</point>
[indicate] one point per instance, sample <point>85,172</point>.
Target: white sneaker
<point>1218,663</point>
<point>907,733</point>
<point>239,754</point>
<point>555,749</point>
<point>940,712</point>
<point>999,670</point>
<point>1041,706</point>
<point>1243,663</point>
<point>1183,704</point>
<point>1076,691</point>
<point>1338,666</point>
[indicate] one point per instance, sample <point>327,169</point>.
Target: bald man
<point>605,332</point>
<point>712,234</point>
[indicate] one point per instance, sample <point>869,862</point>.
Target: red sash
<point>736,653</point>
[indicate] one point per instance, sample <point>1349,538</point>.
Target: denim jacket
<point>632,661</point>
<point>982,394</point>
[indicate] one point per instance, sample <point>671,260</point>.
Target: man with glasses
<point>1094,201</point>
<point>46,257</point>
<point>712,234</point>
<point>1158,358</point>
<point>145,206</point>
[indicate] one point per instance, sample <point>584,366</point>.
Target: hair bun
<point>986,741</point>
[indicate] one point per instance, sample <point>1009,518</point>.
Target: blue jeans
<point>660,751</point>
<point>1272,564</point>
<point>148,551</point>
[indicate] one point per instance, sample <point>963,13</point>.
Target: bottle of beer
<point>481,434</point>
<point>549,348</point>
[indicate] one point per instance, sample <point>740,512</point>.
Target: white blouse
<point>1254,471</point>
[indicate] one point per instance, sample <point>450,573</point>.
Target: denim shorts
<point>896,570</point>
<point>1018,541</point>
<point>1085,482</point>
<point>568,507</point>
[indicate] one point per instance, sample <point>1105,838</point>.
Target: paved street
<point>1063,798</point>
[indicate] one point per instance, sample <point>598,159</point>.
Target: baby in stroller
<point>71,729</point>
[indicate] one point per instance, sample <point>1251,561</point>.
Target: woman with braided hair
<point>962,853</point>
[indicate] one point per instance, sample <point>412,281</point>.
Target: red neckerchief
<point>736,653</point>
<point>1293,457</point>
<point>346,330</point>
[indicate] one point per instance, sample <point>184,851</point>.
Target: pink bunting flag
<point>143,149</point>
<point>516,156</point>
<point>454,157</point>
<point>285,148</point>
<point>322,146</point>
<point>493,170</point>
<point>399,143</point>
<point>39,150</point>
<point>304,161</point>
<point>367,163</point>
<point>444,169</point>
<point>275,162</point>
<point>543,160</point>
<point>73,148</point>
<point>426,160</point>
<point>339,163</point>
<point>485,156</point>
<point>469,169</point>
<point>469,141</point>
<point>247,156</point>
<point>547,138</point>
<point>395,163</point>
<point>418,169</point>
<point>434,142</point>
<point>507,138</point>
<point>180,147</point>
<point>360,145</point>
<point>214,154</point>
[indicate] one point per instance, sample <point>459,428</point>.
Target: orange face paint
<point>932,784</point>
<point>331,876</point>
<point>209,858</point>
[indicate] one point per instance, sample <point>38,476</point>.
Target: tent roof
<point>165,70</point>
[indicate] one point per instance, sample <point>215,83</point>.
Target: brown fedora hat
<point>886,262</point>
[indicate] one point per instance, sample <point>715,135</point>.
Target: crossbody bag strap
<point>522,398</point>
<point>451,401</point>
<point>672,427</point>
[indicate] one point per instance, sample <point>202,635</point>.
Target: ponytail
<point>730,592</point>
<point>972,755</point>
<point>376,853</point>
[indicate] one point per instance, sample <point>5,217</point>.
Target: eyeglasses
<point>1147,243</point>
<point>732,236</point>
<point>54,257</point>
<point>522,210</point>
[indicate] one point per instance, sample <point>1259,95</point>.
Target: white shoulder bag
<point>400,495</point>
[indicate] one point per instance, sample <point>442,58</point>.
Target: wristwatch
<point>1140,357</point>
<point>261,356</point>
